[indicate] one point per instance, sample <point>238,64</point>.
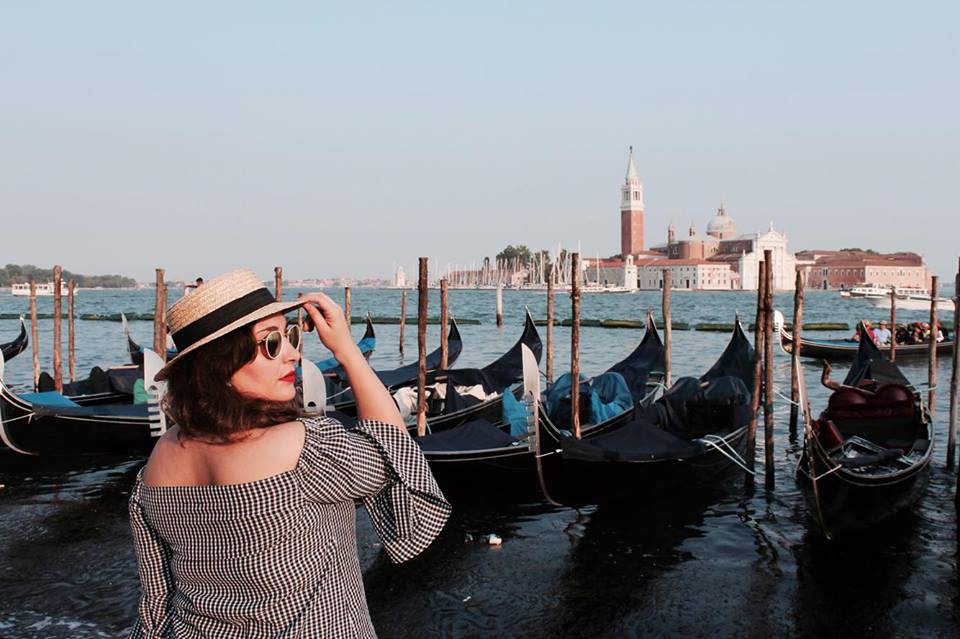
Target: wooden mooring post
<point>757,373</point>
<point>952,432</point>
<point>499,305</point>
<point>932,370</point>
<point>71,330</point>
<point>34,335</point>
<point>550,329</point>
<point>422,298</point>
<point>57,329</point>
<point>278,282</point>
<point>667,328</point>
<point>444,321</point>
<point>893,323</point>
<point>347,304</point>
<point>403,317</point>
<point>795,370</point>
<point>160,317</point>
<point>575,345</point>
<point>768,371</point>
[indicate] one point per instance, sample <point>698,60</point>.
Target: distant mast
<point>631,211</point>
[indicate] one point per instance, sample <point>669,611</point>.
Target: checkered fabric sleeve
<point>156,581</point>
<point>381,465</point>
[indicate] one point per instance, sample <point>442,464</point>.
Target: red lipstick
<point>289,377</point>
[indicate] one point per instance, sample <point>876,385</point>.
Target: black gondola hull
<point>847,503</point>
<point>54,434</point>
<point>573,482</point>
<point>16,346</point>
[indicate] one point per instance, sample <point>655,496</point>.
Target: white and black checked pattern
<point>278,557</point>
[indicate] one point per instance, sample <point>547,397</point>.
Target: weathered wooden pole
<point>422,292</point>
<point>35,335</point>
<point>499,304</point>
<point>550,328</point>
<point>768,369</point>
<point>932,370</point>
<point>444,320</point>
<point>757,372</point>
<point>278,282</point>
<point>667,327</point>
<point>575,346</point>
<point>347,303</point>
<point>893,323</point>
<point>795,370</point>
<point>71,330</point>
<point>160,317</point>
<point>57,329</point>
<point>952,433</point>
<point>403,317</point>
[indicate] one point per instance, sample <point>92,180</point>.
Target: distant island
<point>20,273</point>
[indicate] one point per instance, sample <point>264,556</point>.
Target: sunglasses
<point>273,341</point>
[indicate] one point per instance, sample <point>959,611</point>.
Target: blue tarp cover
<point>49,398</point>
<point>515,414</point>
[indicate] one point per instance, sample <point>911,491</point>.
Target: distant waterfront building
<point>687,274</point>
<point>400,278</point>
<point>720,259</point>
<point>846,269</point>
<point>742,253</point>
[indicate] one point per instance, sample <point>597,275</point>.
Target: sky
<point>340,139</point>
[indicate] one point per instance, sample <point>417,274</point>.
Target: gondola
<point>694,435</point>
<point>13,348</point>
<point>452,393</point>
<point>496,456</point>
<point>867,457</point>
<point>338,386</point>
<point>367,344</point>
<point>840,349</point>
<point>51,423</point>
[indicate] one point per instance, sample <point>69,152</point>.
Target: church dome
<point>722,226</point>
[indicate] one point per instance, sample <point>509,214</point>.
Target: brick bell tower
<point>631,211</point>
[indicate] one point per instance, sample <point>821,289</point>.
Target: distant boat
<point>23,290</point>
<point>914,302</point>
<point>872,291</point>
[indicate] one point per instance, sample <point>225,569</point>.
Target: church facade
<point>720,259</point>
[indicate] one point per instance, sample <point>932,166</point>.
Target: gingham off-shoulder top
<point>278,557</point>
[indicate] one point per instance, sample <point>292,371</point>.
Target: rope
<point>829,472</point>
<point>735,458</point>
<point>553,452</point>
<point>785,398</point>
<point>10,421</point>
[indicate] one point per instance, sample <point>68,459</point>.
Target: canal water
<point>725,563</point>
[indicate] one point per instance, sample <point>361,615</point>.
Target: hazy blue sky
<point>339,139</point>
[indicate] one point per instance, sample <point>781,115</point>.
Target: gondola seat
<point>887,415</point>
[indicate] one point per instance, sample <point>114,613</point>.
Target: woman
<point>243,517</point>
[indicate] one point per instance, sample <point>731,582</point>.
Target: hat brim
<point>257,315</point>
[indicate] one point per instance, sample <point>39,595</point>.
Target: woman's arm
<point>373,400</point>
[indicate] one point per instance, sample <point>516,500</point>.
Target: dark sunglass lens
<point>293,334</point>
<point>274,343</point>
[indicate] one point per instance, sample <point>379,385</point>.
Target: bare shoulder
<point>168,456</point>
<point>261,454</point>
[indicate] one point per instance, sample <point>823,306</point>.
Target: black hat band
<point>223,316</point>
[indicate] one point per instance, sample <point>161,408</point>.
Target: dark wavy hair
<point>206,407</point>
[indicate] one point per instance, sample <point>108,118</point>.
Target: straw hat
<point>225,303</point>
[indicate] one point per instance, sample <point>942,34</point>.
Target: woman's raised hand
<point>330,323</point>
